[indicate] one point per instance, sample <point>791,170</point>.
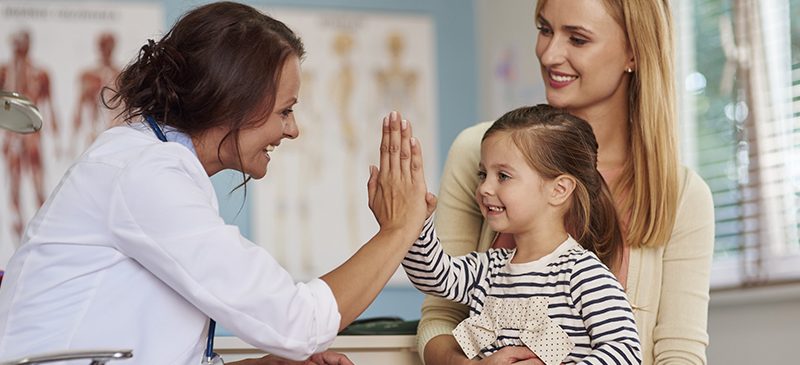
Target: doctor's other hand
<point>397,192</point>
<point>322,358</point>
<point>329,358</point>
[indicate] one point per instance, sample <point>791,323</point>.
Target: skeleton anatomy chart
<point>311,210</point>
<point>59,55</point>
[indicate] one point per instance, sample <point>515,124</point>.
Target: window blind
<point>741,104</point>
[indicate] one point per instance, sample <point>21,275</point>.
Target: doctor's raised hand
<point>397,197</point>
<point>130,251</point>
<point>400,175</point>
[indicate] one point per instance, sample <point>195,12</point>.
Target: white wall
<point>755,326</point>
<point>506,33</point>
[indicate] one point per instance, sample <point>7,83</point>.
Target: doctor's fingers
<point>372,186</point>
<point>396,138</point>
<point>384,147</point>
<point>329,358</point>
<point>416,164</point>
<point>406,140</point>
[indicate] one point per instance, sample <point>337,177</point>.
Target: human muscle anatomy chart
<point>60,55</point>
<point>359,67</point>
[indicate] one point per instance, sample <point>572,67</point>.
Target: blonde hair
<point>647,190</point>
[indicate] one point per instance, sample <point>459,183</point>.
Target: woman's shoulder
<point>464,155</point>
<point>694,220</point>
<point>693,191</point>
<point>471,136</point>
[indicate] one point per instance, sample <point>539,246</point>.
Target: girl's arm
<point>458,222</point>
<point>605,310</point>
<point>397,198</point>
<point>434,272</point>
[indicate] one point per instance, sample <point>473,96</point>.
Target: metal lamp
<point>18,114</point>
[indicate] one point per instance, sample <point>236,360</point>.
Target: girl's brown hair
<point>219,65</point>
<point>647,190</point>
<point>556,143</point>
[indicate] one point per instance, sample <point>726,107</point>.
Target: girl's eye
<point>502,176</point>
<point>287,112</point>
<point>481,175</point>
<point>578,41</point>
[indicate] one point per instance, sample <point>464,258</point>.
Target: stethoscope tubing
<point>211,323</point>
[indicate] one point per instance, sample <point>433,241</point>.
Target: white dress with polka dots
<point>567,307</point>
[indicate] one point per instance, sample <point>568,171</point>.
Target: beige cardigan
<point>667,285</point>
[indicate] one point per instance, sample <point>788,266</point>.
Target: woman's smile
<point>558,80</point>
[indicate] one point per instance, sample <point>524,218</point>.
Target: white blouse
<point>130,251</point>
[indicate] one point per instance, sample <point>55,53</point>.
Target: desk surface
<point>342,342</point>
<point>362,350</point>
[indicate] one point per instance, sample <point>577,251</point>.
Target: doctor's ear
<point>562,188</point>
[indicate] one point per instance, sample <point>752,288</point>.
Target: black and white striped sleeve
<point>434,272</point>
<point>606,312</point>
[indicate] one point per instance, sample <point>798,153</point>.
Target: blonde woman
<point>610,63</point>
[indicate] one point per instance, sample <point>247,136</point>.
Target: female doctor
<point>130,251</point>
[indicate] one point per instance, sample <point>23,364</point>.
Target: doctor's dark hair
<point>219,65</point>
<point>556,143</point>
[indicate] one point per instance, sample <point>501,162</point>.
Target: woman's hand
<point>397,192</point>
<point>446,351</point>
<point>517,355</point>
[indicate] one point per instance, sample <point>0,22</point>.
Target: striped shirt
<point>583,296</point>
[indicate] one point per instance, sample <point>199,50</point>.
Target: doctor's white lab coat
<point>130,251</point>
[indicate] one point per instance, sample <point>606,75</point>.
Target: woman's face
<point>583,54</point>
<point>256,143</point>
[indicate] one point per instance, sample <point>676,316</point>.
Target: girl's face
<point>510,194</point>
<point>257,142</point>
<point>583,54</point>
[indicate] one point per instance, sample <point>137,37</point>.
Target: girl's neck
<point>538,243</point>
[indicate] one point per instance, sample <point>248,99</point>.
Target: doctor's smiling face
<point>258,141</point>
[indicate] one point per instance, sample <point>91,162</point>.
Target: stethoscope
<point>209,356</point>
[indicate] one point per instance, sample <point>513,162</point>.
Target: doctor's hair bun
<point>219,65</point>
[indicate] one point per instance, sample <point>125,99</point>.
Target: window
<point>739,98</point>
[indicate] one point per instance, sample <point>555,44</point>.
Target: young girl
<point>554,292</point>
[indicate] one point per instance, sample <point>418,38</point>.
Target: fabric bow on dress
<point>521,322</point>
